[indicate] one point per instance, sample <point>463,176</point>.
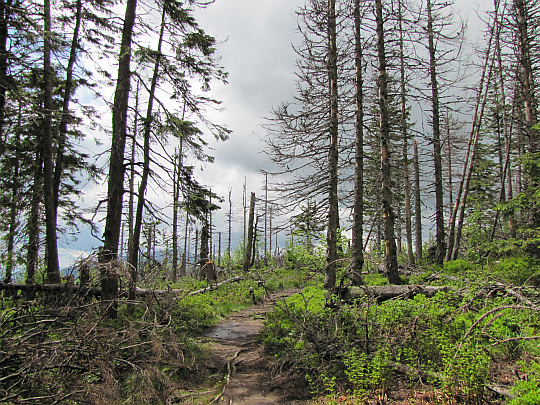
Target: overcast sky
<point>257,52</point>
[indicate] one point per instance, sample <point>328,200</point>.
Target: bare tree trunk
<point>196,242</point>
<point>133,255</point>
<point>417,204</point>
<point>230,227</point>
<point>389,218</point>
<point>520,148</point>
<point>132,177</point>
<point>499,83</point>
<point>244,206</point>
<point>522,19</point>
<point>175,220</point>
<point>522,9</point>
<point>115,187</point>
<point>510,187</point>
<point>58,169</point>
<point>270,233</point>
<point>398,228</point>
<point>219,250</point>
<point>32,224</point>
<point>265,212</point>
<point>247,259</point>
<point>205,251</point>
<point>185,257</point>
<point>210,232</point>
<point>148,246</point>
<point>470,146</point>
<point>133,271</point>
<point>14,203</point>
<point>254,243</point>
<point>450,174</point>
<point>470,169</point>
<point>358,220</point>
<point>176,204</point>
<point>333,215</point>
<point>53,267</point>
<point>439,204</point>
<point>407,189</point>
<point>5,12</point>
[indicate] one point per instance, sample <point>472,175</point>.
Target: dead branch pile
<point>54,352</point>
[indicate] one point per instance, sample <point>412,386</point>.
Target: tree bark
<point>384,131</point>
<point>439,204</point>
<point>133,270</point>
<point>405,136</point>
<point>115,189</point>
<point>32,224</point>
<point>14,203</point>
<point>358,219</point>
<point>141,201</point>
<point>333,215</point>
<point>450,171</point>
<point>205,250</point>
<point>417,204</point>
<point>62,136</point>
<point>467,178</point>
<point>522,9</point>
<point>5,13</point>
<point>470,146</point>
<point>249,242</point>
<point>53,267</point>
<point>522,19</point>
<point>229,220</point>
<point>254,243</point>
<point>176,192</point>
<point>186,248</point>
<point>506,169</point>
<point>387,292</point>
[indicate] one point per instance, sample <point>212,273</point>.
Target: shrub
<point>518,270</point>
<point>527,390</point>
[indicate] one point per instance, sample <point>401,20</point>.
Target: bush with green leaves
<point>301,256</point>
<point>458,266</point>
<point>451,339</point>
<point>517,270</point>
<point>527,388</point>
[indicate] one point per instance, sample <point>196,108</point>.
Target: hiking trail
<point>233,348</point>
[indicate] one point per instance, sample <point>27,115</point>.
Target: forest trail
<point>233,347</point>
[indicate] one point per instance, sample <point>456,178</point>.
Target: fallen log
<point>74,288</point>
<point>387,292</point>
<point>51,288</point>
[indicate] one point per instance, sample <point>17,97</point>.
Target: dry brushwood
<point>51,353</point>
<point>139,292</point>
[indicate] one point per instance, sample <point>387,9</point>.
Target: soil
<point>243,366</point>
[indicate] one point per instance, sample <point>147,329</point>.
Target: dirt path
<point>233,349</point>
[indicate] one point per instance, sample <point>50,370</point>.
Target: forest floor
<point>240,363</point>
<point>239,372</point>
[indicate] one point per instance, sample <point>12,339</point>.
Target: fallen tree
<point>387,292</point>
<point>70,288</point>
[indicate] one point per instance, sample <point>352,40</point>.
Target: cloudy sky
<point>256,51</point>
<point>256,38</point>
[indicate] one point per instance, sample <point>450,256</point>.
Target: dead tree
<point>384,131</point>
<point>249,242</point>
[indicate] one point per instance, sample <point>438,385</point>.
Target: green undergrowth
<point>458,343</point>
<point>507,270</point>
<point>62,349</point>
